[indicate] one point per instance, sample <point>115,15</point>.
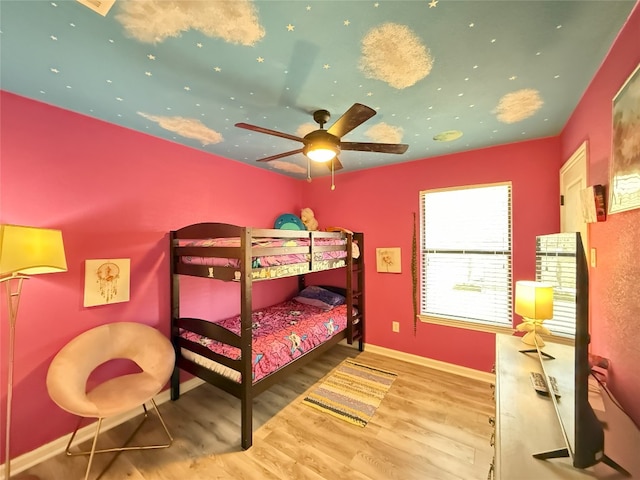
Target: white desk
<point>526,423</point>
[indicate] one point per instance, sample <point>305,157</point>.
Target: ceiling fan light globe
<point>321,154</point>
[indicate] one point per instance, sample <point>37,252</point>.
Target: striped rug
<point>352,392</point>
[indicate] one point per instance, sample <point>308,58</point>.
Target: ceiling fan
<point>324,145</point>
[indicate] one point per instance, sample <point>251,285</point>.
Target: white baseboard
<point>435,364</point>
<point>56,447</point>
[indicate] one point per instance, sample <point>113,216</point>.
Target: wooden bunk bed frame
<point>246,275</point>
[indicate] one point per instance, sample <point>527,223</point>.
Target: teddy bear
<point>308,218</point>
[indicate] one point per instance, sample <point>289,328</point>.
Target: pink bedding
<point>263,261</point>
<point>281,333</point>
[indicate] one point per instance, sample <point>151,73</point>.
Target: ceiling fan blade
<point>337,165</point>
<point>255,128</point>
<point>356,115</point>
<point>279,155</point>
<point>375,147</point>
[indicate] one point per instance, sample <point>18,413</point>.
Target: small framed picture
<point>106,281</point>
<point>388,260</point>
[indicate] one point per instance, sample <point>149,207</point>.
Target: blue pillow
<point>320,297</point>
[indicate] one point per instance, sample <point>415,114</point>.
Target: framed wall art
<point>388,260</point>
<point>106,281</point>
<point>624,187</point>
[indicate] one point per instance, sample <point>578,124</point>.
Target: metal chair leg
<point>124,447</point>
<point>93,449</point>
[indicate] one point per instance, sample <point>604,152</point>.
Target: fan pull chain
<point>333,186</point>
<point>308,170</point>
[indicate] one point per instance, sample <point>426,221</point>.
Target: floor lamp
<point>24,251</point>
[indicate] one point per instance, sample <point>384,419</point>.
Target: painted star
<point>347,23</point>
<point>369,94</point>
<point>151,57</point>
<point>376,4</point>
<point>54,70</point>
<point>290,28</point>
<point>53,37</point>
<point>260,60</point>
<point>433,3</point>
<point>308,8</point>
<point>188,89</point>
<point>148,74</point>
<point>217,69</point>
<point>326,66</point>
<point>512,77</point>
<point>199,45</point>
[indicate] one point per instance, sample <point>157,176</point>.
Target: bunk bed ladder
<point>361,290</point>
<point>356,288</point>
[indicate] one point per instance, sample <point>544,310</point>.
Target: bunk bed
<point>224,353</point>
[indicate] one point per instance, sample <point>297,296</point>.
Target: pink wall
<point>381,202</point>
<point>614,283</point>
<point>114,193</point>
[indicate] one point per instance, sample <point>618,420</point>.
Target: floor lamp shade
<point>30,250</point>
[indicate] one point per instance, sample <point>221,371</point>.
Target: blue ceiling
<point>486,72</point>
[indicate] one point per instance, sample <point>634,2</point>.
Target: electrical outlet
<point>593,257</point>
<point>395,326</point>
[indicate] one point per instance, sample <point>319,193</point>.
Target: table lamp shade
<point>31,250</point>
<point>534,300</point>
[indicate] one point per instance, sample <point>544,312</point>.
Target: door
<point>573,178</point>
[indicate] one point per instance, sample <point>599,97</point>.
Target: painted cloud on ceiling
<point>394,54</point>
<point>385,133</point>
<point>153,21</point>
<point>516,106</point>
<point>186,127</point>
<point>287,167</point>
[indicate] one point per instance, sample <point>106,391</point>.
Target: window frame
<point>469,324</point>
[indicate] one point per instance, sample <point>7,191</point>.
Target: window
<point>556,264</point>
<point>466,256</point>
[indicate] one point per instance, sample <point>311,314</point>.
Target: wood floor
<point>430,425</point>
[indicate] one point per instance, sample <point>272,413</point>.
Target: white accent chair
<point>71,368</point>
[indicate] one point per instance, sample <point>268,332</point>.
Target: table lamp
<point>534,302</point>
<point>24,251</point>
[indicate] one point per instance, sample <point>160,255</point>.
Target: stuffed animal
<point>308,218</point>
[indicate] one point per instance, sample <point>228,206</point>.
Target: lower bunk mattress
<point>281,333</point>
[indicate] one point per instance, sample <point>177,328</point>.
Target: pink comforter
<point>281,333</point>
<point>263,261</point>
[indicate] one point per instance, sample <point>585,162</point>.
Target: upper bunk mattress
<point>281,333</point>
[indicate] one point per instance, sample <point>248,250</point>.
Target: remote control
<point>540,386</point>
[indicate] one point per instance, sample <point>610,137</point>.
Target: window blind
<point>556,264</point>
<point>466,254</point>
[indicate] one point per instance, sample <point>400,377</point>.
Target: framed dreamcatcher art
<point>106,281</point>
